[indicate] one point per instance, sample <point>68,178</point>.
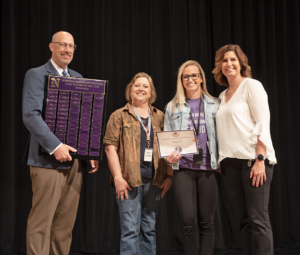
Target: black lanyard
<point>197,129</point>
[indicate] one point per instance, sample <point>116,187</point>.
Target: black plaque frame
<point>103,121</point>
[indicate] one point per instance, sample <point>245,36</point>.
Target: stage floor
<point>216,252</point>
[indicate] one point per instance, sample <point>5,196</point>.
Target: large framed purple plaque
<point>75,111</point>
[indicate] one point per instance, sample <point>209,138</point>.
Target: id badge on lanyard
<point>148,151</point>
<point>197,158</point>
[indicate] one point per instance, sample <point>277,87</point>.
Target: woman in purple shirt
<point>196,183</point>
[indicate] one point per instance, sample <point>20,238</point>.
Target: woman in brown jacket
<point>139,176</point>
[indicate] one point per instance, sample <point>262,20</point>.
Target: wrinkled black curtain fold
<point>117,39</point>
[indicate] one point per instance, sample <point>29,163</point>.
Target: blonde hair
<point>148,77</point>
<point>243,60</point>
<point>180,96</point>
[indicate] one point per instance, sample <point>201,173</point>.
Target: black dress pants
<point>251,205</point>
<point>196,194</point>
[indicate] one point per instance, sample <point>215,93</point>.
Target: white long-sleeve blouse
<point>239,121</point>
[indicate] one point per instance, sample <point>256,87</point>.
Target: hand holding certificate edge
<point>174,157</point>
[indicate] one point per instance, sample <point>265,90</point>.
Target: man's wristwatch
<point>260,157</point>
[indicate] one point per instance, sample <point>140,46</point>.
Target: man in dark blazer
<point>56,178</point>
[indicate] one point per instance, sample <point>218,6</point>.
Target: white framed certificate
<point>183,141</point>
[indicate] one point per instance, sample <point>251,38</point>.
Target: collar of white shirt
<point>59,69</point>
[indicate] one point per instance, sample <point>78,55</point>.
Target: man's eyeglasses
<point>65,45</point>
<point>194,76</point>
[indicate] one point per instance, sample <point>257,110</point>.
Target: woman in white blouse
<point>246,151</point>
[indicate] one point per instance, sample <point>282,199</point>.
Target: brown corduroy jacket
<point>123,131</point>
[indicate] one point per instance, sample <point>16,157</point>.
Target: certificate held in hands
<point>183,141</point>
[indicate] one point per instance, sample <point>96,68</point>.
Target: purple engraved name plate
<point>50,120</point>
<point>86,111</point>
<point>76,94</point>
<point>71,118</point>
<point>96,129</point>
<point>86,107</point>
<point>50,113</point>
<point>72,135</point>
<point>62,113</point>
<point>60,130</point>
<point>96,123</point>
<point>74,110</point>
<point>74,115</point>
<point>99,108</point>
<point>76,85</point>
<point>93,153</point>
<point>98,104</point>
<point>95,138</point>
<point>64,97</point>
<point>52,104</point>
<point>83,140</point>
<point>95,133</point>
<point>74,139</point>
<point>80,152</point>
<point>61,126</point>
<point>64,93</point>
<point>84,148</point>
<point>83,145</point>
<point>84,123</point>
<point>87,99</point>
<point>84,132</point>
<point>60,134</point>
<point>97,115</point>
<point>63,105</point>
<point>87,103</point>
<point>53,92</point>
<point>87,115</point>
<point>83,128</point>
<point>51,108</point>
<point>62,118</point>
<point>77,102</point>
<point>74,105</point>
<point>72,144</point>
<point>63,101</point>
<point>51,96</point>
<point>72,131</point>
<point>97,112</point>
<point>99,96</point>
<point>61,122</point>
<point>75,98</point>
<point>86,136</point>
<point>73,123</point>
<point>84,118</point>
<point>95,145</point>
<point>51,100</point>
<point>87,95</point>
<point>65,109</point>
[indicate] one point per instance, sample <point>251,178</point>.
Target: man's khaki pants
<point>54,208</point>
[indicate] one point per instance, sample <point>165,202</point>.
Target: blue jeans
<point>137,219</point>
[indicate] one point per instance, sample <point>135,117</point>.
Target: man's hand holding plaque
<point>62,153</point>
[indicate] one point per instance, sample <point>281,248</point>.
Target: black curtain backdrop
<point>117,39</point>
